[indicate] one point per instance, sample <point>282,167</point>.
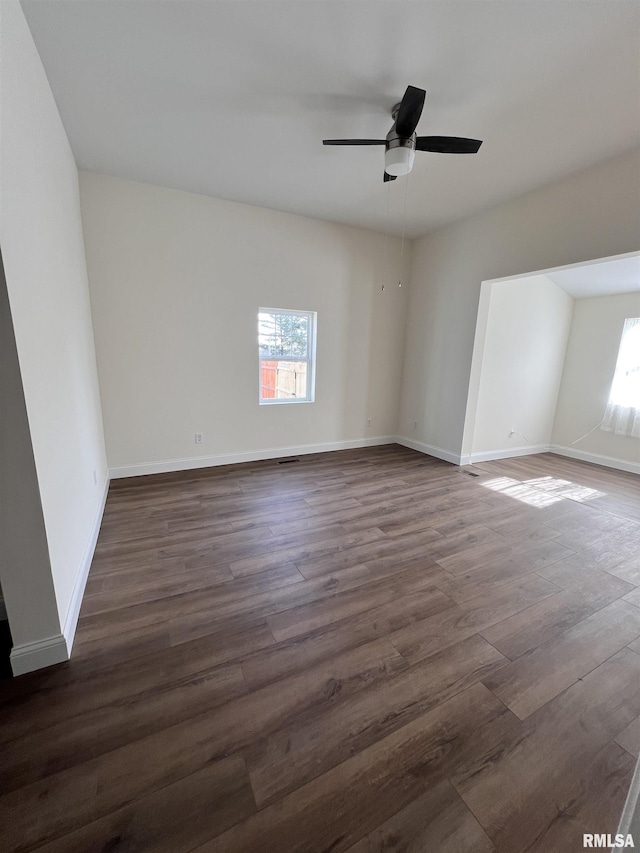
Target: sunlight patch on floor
<point>565,489</point>
<point>542,491</point>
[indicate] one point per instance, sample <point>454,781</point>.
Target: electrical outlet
<point>415,424</point>
<point>368,421</point>
<point>198,438</point>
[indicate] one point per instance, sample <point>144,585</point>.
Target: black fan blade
<point>389,177</point>
<point>354,141</point>
<point>410,111</point>
<point>448,144</point>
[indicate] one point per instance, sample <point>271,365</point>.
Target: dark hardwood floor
<point>359,651</point>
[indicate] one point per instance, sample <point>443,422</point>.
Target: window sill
<point>290,402</point>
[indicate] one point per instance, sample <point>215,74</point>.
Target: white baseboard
<point>526,450</point>
<point>571,452</point>
<point>429,449</point>
<point>506,453</point>
<point>73,611</point>
<point>191,462</point>
<point>31,656</point>
<point>596,458</point>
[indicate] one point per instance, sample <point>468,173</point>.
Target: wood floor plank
<point>516,528</point>
<point>422,639</point>
<point>97,653</point>
<point>111,725</point>
<point>196,550</point>
<point>223,614</point>
<point>401,527</point>
<point>323,544</point>
<point>174,819</point>
<point>124,546</point>
<point>603,552</point>
<point>527,558</point>
<point>629,738</point>
<point>474,555</point>
<point>121,576</point>
<point>239,594</point>
<point>125,590</point>
<point>533,679</point>
<point>628,570</point>
<point>248,557</point>
<point>313,519</point>
<point>453,521</point>
<point>112,599</point>
<point>308,617</point>
<point>289,656</point>
<point>128,682</point>
<point>132,528</point>
<point>240,519</point>
<point>466,539</point>
<point>370,787</point>
<point>633,597</point>
<point>571,571</point>
<point>590,806</point>
<point>409,545</point>
<point>532,774</point>
<point>288,759</point>
<point>481,580</point>
<point>589,521</point>
<point>47,809</point>
<point>550,617</point>
<point>404,560</point>
<point>438,820</point>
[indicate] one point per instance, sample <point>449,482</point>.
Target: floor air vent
<point>471,473</point>
<point>287,461</point>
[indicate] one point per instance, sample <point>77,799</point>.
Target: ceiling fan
<point>401,142</point>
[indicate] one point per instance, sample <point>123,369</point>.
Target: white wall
<point>525,340</point>
<point>25,570</point>
<point>176,282</point>
<point>589,366</point>
<point>43,252</point>
<point>593,214</point>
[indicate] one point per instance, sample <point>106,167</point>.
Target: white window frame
<point>310,358</point>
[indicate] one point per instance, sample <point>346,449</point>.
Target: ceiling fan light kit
<point>399,156</point>
<point>401,142</point>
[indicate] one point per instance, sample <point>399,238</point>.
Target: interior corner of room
<point>545,352</point>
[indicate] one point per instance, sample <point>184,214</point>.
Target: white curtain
<point>622,414</point>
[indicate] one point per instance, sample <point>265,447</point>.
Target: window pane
<point>625,390</point>
<point>283,334</point>
<point>283,380</point>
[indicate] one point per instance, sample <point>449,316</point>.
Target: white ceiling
<point>600,279</point>
<point>232,98</point>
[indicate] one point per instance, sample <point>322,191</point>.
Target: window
<point>286,344</point>
<point>622,415</point>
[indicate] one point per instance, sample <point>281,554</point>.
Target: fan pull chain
<point>404,226</point>
<point>386,235</point>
